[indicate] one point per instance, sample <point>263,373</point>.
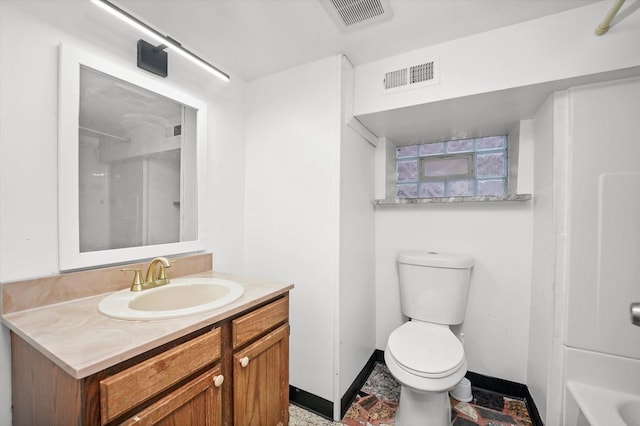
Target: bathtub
<point>600,389</point>
<point>604,407</point>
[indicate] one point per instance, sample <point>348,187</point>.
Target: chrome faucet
<point>154,278</point>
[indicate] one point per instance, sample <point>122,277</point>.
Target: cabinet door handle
<point>218,381</point>
<point>244,361</point>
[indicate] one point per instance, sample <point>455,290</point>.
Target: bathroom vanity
<point>71,365</point>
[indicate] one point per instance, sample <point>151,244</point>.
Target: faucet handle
<point>162,275</point>
<point>136,284</point>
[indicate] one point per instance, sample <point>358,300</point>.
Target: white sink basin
<point>179,298</point>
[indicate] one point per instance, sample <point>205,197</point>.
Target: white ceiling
<point>254,38</point>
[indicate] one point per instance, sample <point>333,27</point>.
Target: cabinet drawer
<point>125,390</point>
<point>255,323</point>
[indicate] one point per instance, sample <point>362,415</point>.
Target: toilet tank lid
<point>435,259</point>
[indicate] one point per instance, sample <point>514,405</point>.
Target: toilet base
<point>417,408</point>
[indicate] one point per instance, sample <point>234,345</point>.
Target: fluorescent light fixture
<point>171,43</point>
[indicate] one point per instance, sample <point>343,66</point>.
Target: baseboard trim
<point>533,410</point>
<point>311,402</point>
<point>351,393</point>
<point>379,354</point>
<point>323,407</point>
<point>509,388</point>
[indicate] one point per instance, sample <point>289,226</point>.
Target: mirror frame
<point>69,255</point>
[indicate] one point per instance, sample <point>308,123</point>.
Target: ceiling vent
<point>413,76</point>
<point>350,15</point>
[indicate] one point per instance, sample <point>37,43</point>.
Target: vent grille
<point>422,74</point>
<point>352,12</point>
<point>395,78</point>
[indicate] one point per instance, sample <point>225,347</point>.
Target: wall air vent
<point>395,78</point>
<point>420,73</point>
<point>355,14</point>
<point>413,76</point>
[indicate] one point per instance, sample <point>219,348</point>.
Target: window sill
<point>476,199</point>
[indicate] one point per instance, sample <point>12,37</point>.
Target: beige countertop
<point>80,340</point>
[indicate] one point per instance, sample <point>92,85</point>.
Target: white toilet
<point>423,354</point>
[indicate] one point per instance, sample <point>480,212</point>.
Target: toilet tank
<point>434,286</point>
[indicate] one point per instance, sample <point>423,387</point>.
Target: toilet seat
<point>426,350</point>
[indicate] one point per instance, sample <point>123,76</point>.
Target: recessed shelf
<point>474,199</point>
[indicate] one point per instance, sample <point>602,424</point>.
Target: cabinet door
<point>261,381</point>
<point>197,403</point>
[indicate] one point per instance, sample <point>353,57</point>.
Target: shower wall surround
<point>601,345</point>
<point>586,245</point>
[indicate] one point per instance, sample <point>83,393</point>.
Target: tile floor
<point>377,402</point>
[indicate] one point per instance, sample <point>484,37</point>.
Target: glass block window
<point>407,171</point>
<point>447,165</point>
<point>458,168</point>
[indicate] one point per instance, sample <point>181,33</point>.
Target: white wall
<point>292,208</point>
<point>357,247</point>
<point>542,279</point>
<point>288,118</point>
<point>30,33</point>
<point>555,47</point>
<point>498,236</point>
<point>309,220</point>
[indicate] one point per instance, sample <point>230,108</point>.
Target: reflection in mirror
<point>131,164</point>
<point>132,143</point>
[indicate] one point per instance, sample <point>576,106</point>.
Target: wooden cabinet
<point>261,366</point>
<point>128,389</point>
<point>261,381</point>
<point>197,403</point>
<point>234,372</point>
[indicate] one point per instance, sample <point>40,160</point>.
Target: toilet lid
<point>426,350</point>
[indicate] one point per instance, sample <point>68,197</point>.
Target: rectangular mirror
<point>131,164</point>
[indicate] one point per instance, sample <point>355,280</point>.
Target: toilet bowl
<point>428,360</point>
<point>423,354</point>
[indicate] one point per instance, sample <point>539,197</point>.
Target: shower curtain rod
<point>604,25</point>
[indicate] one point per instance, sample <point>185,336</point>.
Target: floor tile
<point>370,410</point>
<point>488,399</point>
<point>381,383</point>
<point>377,403</point>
